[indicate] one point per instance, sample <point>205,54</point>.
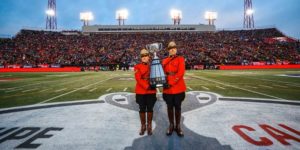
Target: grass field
<point>18,89</point>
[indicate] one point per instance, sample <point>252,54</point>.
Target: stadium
<point>75,89</point>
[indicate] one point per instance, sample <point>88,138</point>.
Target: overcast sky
<point>17,14</point>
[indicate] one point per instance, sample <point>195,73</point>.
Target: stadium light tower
<point>121,16</point>
<point>248,14</point>
<point>86,17</point>
<point>211,16</point>
<point>51,22</point>
<point>176,16</point>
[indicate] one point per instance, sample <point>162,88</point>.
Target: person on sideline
<point>145,94</point>
<point>174,92</point>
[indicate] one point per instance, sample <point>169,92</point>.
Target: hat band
<point>144,55</point>
<point>171,47</point>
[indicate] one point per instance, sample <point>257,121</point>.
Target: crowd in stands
<point>239,47</point>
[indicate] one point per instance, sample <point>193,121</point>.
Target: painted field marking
<point>25,85</point>
<point>13,90</point>
<point>202,78</point>
<point>125,89</point>
<point>63,82</point>
<point>29,90</point>
<point>251,86</point>
<point>292,84</point>
<point>189,88</point>
<point>108,89</point>
<point>61,90</point>
<point>274,81</point>
<point>220,87</point>
<point>50,99</point>
<point>295,85</point>
<point>92,90</point>
<point>44,90</point>
<point>266,86</point>
<point>280,86</point>
<point>205,88</point>
<point>81,88</point>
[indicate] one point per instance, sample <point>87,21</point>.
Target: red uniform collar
<point>173,56</point>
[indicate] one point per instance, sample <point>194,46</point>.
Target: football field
<point>19,89</point>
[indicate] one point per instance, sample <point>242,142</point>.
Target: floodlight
<point>176,14</point>
<point>249,12</point>
<point>50,12</point>
<point>211,16</point>
<point>86,16</point>
<point>122,14</point>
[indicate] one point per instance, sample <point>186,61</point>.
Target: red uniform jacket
<point>142,74</point>
<point>174,68</point>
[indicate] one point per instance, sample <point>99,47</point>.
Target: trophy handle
<point>160,46</point>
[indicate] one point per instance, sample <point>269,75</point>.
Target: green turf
<point>33,88</point>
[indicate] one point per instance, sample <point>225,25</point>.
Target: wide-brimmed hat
<point>171,45</point>
<point>144,52</point>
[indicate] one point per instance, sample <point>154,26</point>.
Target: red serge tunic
<point>174,68</point>
<point>142,74</point>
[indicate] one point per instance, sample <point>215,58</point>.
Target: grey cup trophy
<point>157,75</point>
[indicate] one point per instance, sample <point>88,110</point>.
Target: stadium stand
<point>31,48</point>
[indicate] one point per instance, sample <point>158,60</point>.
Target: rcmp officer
<point>174,93</point>
<point>145,94</point>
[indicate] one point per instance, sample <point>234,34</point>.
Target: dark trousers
<point>174,100</point>
<point>146,102</point>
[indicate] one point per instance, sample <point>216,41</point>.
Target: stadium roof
<point>147,28</point>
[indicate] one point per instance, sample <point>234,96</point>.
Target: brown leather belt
<point>171,73</point>
<point>145,79</point>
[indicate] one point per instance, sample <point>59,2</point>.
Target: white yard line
<point>108,89</point>
<point>280,86</point>
<point>13,90</point>
<point>189,88</point>
<point>125,89</point>
<point>202,78</point>
<point>61,90</point>
<point>266,86</point>
<point>63,82</point>
<point>50,99</point>
<point>295,85</point>
<point>204,87</point>
<point>28,90</point>
<point>92,90</point>
<point>44,90</point>
<point>251,86</point>
<point>274,81</point>
<point>24,85</point>
<point>80,88</point>
<point>220,87</point>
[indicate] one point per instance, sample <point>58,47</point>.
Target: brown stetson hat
<point>144,52</point>
<point>171,45</point>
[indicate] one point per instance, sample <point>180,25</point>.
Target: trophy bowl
<point>157,74</point>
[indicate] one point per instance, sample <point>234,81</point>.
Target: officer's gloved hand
<point>167,86</point>
<point>152,87</point>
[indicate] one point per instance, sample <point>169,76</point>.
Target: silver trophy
<point>157,75</point>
